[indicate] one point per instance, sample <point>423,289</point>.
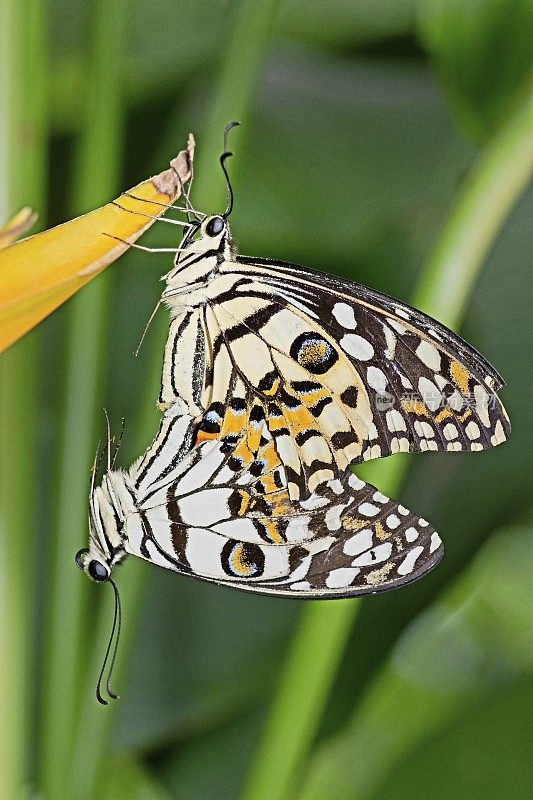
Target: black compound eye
<point>215,226</point>
<point>80,557</point>
<point>98,571</point>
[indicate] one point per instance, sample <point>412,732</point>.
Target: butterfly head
<point>207,242</point>
<point>212,234</point>
<point>92,564</point>
<point>109,505</point>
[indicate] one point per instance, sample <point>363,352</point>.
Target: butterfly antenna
<point>108,440</point>
<point>117,619</point>
<point>225,155</point>
<point>152,315</point>
<point>118,608</point>
<point>96,462</point>
<point>119,442</point>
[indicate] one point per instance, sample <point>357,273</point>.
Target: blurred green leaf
<point>478,637</point>
<point>484,755</point>
<point>483,51</point>
<point>162,55</point>
<point>213,767</point>
<point>24,140</point>
<point>344,24</point>
<point>209,653</point>
<point>127,778</point>
<point>350,167</point>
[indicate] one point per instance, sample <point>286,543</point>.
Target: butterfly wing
<point>342,374</point>
<point>223,513</point>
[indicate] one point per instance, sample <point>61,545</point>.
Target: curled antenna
<point>117,622</point>
<point>226,154</point>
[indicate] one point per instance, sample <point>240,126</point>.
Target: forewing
<point>355,373</point>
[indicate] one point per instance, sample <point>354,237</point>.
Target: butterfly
<point>220,510</point>
<point>341,373</point>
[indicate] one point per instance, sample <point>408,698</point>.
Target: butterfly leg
<point>141,247</point>
<point>153,202</point>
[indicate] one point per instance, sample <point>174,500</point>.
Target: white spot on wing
<point>401,313</point>
<point>499,434</point>
<point>375,556</point>
<point>429,355</point>
<point>431,396</point>
<point>482,405</point>
<point>314,501</point>
<point>399,445</point>
<point>395,421</point>
<point>357,346</point>
<point>362,541</point>
<point>368,510</point>
<point>372,431</point>
<point>344,315</point>
<point>356,483</point>
<point>390,340</point>
<point>472,430</point>
<point>398,327</point>
<point>450,431</point>
<point>376,379</point>
<point>380,498</point>
<point>424,429</point>
<point>341,578</point>
<point>408,564</point>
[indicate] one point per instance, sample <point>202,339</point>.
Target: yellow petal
<point>39,273</point>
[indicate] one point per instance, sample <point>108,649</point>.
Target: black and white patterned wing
<point>341,373</point>
<point>223,513</point>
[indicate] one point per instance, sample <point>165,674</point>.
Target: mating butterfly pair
<point>276,380</point>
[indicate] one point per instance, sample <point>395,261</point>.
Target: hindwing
<point>223,513</point>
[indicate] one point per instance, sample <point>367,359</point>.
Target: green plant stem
<point>492,188</point>
<point>490,191</point>
<point>239,72</point>
<point>23,157</point>
<point>70,617</point>
<point>91,746</point>
<point>319,640</point>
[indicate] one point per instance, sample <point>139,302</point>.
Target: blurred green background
<point>390,142</point>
